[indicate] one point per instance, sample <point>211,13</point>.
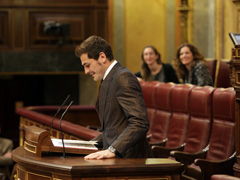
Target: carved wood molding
<point>184,9</point>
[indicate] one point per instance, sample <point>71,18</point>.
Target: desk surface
<point>75,166</point>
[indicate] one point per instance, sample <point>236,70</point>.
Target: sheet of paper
<point>74,144</point>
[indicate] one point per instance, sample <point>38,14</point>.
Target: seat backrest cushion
<point>223,75</point>
<point>222,140</point>
<point>212,67</point>
<point>180,115</point>
<point>149,91</point>
<point>201,119</point>
<point>163,112</point>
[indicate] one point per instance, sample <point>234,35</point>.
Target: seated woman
<point>153,69</point>
<point>191,66</point>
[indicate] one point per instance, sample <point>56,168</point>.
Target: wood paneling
<point>18,28</point>
<point>22,23</point>
<point>80,27</point>
<point>101,23</point>
<point>235,71</point>
<point>53,3</point>
<point>4,29</point>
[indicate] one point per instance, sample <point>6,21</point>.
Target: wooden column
<point>184,9</point>
<point>235,79</point>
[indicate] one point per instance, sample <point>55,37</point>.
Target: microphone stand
<point>58,112</point>
<point>61,127</point>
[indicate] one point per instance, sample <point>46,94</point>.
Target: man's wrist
<point>112,149</point>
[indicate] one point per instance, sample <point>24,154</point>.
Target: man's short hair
<point>93,46</point>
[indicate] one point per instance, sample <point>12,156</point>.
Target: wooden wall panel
<point>22,23</point>
<point>54,3</point>
<point>103,2</point>
<point>4,29</point>
<point>46,3</point>
<point>81,27</point>
<point>101,23</point>
<point>18,29</point>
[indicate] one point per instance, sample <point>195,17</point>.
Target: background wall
<point>157,22</point>
<point>145,24</point>
<point>230,23</point>
<point>203,26</point>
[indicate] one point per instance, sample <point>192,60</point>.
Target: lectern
<point>38,140</point>
<point>33,164</point>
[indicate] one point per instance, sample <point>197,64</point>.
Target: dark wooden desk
<point>55,167</point>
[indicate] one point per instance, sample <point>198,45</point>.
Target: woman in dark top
<point>153,69</point>
<point>191,66</point>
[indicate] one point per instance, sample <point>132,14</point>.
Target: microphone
<point>61,126</point>
<point>58,111</point>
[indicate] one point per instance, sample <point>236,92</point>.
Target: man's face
<point>93,67</point>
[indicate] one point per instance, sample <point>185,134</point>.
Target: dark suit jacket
<point>123,115</point>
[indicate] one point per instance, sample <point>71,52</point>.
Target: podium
<point>55,167</point>
<point>32,163</point>
<point>38,140</point>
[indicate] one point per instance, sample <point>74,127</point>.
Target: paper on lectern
<point>75,144</point>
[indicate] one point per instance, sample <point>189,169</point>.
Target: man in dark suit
<point>120,104</point>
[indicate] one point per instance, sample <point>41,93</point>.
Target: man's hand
<point>8,154</point>
<point>105,154</point>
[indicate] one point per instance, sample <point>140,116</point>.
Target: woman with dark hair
<point>191,66</point>
<point>153,69</point>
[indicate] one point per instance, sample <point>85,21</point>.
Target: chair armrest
<point>164,152</point>
<point>210,167</point>
<point>149,137</point>
<point>188,158</point>
<point>162,143</point>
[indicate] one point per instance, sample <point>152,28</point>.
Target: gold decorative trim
<point>27,145</point>
<point>40,175</point>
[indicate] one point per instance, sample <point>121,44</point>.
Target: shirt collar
<point>109,69</point>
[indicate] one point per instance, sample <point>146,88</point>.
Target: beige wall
<point>229,25</point>
<point>144,24</point>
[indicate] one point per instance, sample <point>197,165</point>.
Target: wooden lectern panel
<point>52,166</point>
<point>39,160</point>
<point>38,140</point>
